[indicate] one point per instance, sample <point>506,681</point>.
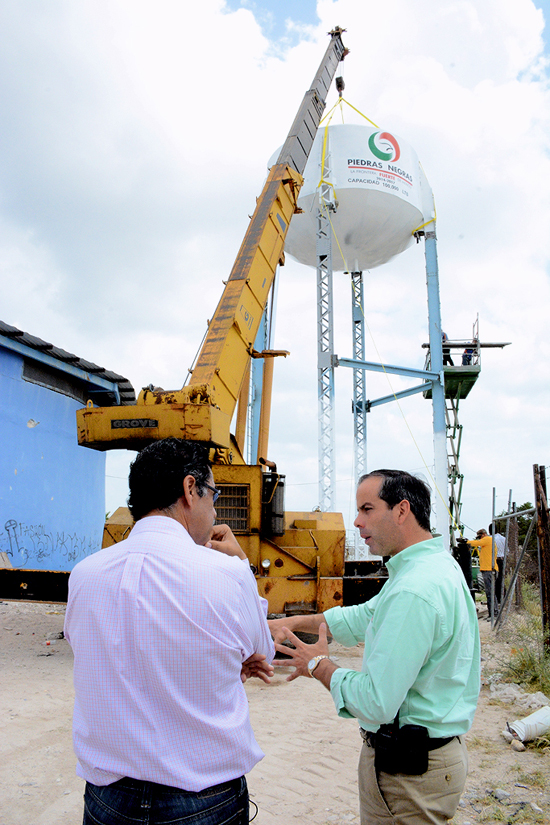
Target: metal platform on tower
<point>459,380</point>
<point>460,377</point>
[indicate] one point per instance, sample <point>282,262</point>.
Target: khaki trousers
<point>401,799</point>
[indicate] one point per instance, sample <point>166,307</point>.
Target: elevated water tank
<point>381,192</point>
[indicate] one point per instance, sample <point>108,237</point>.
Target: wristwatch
<point>312,664</point>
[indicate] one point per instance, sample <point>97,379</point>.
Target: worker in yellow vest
<point>487,566</point>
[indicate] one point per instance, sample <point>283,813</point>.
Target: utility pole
<point>543,539</point>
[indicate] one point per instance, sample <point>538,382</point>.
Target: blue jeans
<point>136,802</point>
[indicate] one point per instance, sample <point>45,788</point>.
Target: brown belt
<point>369,737</point>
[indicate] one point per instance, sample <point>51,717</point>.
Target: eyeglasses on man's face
<point>215,491</point>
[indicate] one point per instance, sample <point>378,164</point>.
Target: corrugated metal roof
<point>126,391</point>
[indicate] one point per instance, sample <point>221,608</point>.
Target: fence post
<point>513,549</point>
<point>543,538</point>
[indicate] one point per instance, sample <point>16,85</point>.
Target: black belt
<point>369,737</point>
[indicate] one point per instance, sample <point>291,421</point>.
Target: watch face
<point>311,664</point>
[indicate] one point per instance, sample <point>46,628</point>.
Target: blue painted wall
<point>52,492</point>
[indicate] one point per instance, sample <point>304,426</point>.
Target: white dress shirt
<point>500,542</point>
<point>160,627</point>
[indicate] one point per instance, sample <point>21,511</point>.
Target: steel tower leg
<point>438,387</point>
<point>359,376</point>
<point>456,479</point>
<point>325,368</point>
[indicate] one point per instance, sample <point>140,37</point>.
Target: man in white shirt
<point>500,543</point>
<point>165,628</point>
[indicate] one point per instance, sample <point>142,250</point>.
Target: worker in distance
<point>417,691</point>
<point>486,547</point>
<point>165,628</point>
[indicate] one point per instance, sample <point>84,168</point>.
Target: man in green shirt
<point>417,691</point>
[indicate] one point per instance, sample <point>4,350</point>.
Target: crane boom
<point>203,409</point>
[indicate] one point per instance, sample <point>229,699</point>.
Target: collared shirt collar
<point>395,563</point>
<point>163,524</point>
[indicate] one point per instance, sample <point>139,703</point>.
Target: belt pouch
<point>401,750</point>
<point>413,749</point>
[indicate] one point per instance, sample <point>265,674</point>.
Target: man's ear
<point>189,490</point>
<point>403,510</point>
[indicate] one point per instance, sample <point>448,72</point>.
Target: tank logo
<point>132,423</point>
<point>384,146</point>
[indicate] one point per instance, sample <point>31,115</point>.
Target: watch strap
<point>315,661</point>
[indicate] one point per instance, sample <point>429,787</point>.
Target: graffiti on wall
<point>33,543</point>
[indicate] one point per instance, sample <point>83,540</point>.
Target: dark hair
<point>157,473</point>
<point>399,485</point>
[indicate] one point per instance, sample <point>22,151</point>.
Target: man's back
<point>160,628</point>
<point>500,542</point>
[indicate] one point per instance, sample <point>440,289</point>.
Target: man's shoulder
<point>172,545</point>
<point>233,566</point>
<point>424,553</point>
<point>98,558</point>
<point>427,571</point>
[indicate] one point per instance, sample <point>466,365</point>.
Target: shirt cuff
<point>337,680</point>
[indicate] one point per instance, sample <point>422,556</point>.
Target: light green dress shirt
<point>422,652</point>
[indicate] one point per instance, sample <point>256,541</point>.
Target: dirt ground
<point>309,771</point>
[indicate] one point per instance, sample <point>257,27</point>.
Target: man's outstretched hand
<point>300,656</point>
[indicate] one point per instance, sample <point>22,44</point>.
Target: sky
<point>134,142</point>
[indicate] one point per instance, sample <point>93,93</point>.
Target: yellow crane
<point>298,557</point>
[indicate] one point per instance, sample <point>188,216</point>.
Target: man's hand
<point>307,623</point>
<point>279,629</point>
<point>302,654</point>
<point>256,665</point>
<point>223,540</point>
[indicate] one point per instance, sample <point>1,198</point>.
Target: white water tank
<point>381,192</point>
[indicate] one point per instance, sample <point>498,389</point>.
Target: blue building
<point>52,491</point>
